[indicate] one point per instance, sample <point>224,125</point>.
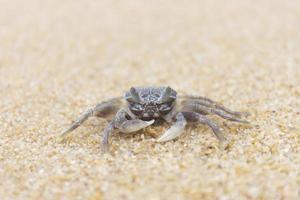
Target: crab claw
<point>170,134</point>
<point>134,125</point>
<point>175,130</point>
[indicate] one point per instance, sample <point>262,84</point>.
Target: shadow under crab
<point>140,107</point>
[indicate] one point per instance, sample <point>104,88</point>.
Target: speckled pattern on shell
<point>151,94</point>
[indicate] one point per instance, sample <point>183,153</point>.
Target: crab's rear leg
<point>198,118</point>
<point>123,124</point>
<point>211,104</point>
<point>194,107</point>
<point>103,110</point>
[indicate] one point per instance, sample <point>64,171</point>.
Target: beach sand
<point>58,58</point>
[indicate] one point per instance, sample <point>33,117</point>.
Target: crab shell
<point>150,103</point>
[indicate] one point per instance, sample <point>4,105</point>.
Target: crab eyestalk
<point>167,95</point>
<point>134,95</point>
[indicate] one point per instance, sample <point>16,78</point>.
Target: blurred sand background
<point>58,58</point>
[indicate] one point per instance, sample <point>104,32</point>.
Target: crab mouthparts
<point>150,115</point>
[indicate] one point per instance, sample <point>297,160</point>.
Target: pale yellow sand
<point>58,58</point>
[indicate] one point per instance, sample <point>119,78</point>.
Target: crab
<point>140,107</point>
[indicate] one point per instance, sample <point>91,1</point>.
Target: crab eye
<point>165,106</point>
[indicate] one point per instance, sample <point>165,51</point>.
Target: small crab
<point>142,106</point>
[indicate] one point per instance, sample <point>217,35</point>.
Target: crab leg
<point>212,104</point>
<point>100,110</point>
<point>83,117</point>
<point>106,108</point>
<point>106,133</point>
<point>175,130</point>
<point>196,117</point>
<point>208,110</point>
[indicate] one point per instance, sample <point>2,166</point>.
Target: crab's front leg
<point>124,124</point>
<point>175,130</point>
<point>103,109</point>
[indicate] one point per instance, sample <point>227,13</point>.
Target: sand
<point>58,58</point>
